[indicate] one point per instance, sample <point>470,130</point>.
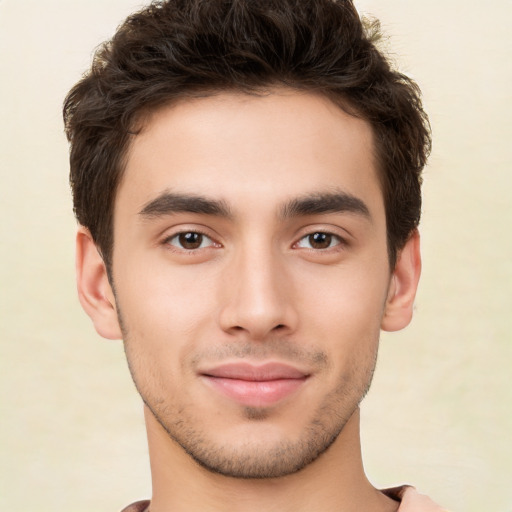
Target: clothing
<point>138,506</point>
<point>410,501</point>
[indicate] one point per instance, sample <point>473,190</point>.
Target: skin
<point>257,274</point>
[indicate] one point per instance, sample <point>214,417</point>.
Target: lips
<point>255,385</point>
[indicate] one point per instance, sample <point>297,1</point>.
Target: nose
<point>258,296</point>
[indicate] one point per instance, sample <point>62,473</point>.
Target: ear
<point>94,290</point>
<point>403,286</point>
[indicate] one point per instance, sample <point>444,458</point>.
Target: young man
<point>246,175</point>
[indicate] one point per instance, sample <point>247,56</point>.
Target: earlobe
<point>94,290</point>
<point>403,286</point>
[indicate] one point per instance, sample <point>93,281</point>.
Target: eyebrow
<point>321,203</point>
<point>168,203</point>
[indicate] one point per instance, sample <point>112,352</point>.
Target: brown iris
<point>190,240</point>
<point>320,240</point>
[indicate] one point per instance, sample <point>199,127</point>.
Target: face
<point>251,276</point>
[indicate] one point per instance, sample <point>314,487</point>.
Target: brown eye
<point>190,240</point>
<point>320,240</point>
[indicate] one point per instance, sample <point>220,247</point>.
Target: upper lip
<point>255,372</point>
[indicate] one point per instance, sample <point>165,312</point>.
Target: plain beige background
<point>439,414</point>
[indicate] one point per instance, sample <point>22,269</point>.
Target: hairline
<point>142,118</point>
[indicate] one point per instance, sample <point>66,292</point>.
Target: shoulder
<point>411,500</point>
<point>138,506</point>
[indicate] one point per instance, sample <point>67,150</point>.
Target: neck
<point>333,482</point>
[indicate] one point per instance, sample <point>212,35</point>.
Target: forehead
<point>245,149</point>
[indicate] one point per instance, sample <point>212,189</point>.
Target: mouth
<point>255,385</point>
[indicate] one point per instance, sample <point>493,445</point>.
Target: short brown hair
<point>181,48</point>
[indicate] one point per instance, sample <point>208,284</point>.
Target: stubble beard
<point>258,460</point>
<point>255,460</point>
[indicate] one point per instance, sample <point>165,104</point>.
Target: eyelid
<point>340,242</point>
<point>339,233</point>
<point>179,230</point>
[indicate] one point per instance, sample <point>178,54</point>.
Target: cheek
<point>344,319</point>
<point>348,302</point>
<point>163,310</point>
<point>163,317</point>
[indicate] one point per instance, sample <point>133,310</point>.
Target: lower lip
<point>256,393</point>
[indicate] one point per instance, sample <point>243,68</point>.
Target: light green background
<point>439,414</point>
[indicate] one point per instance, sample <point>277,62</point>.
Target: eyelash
<point>167,241</point>
<point>339,241</point>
